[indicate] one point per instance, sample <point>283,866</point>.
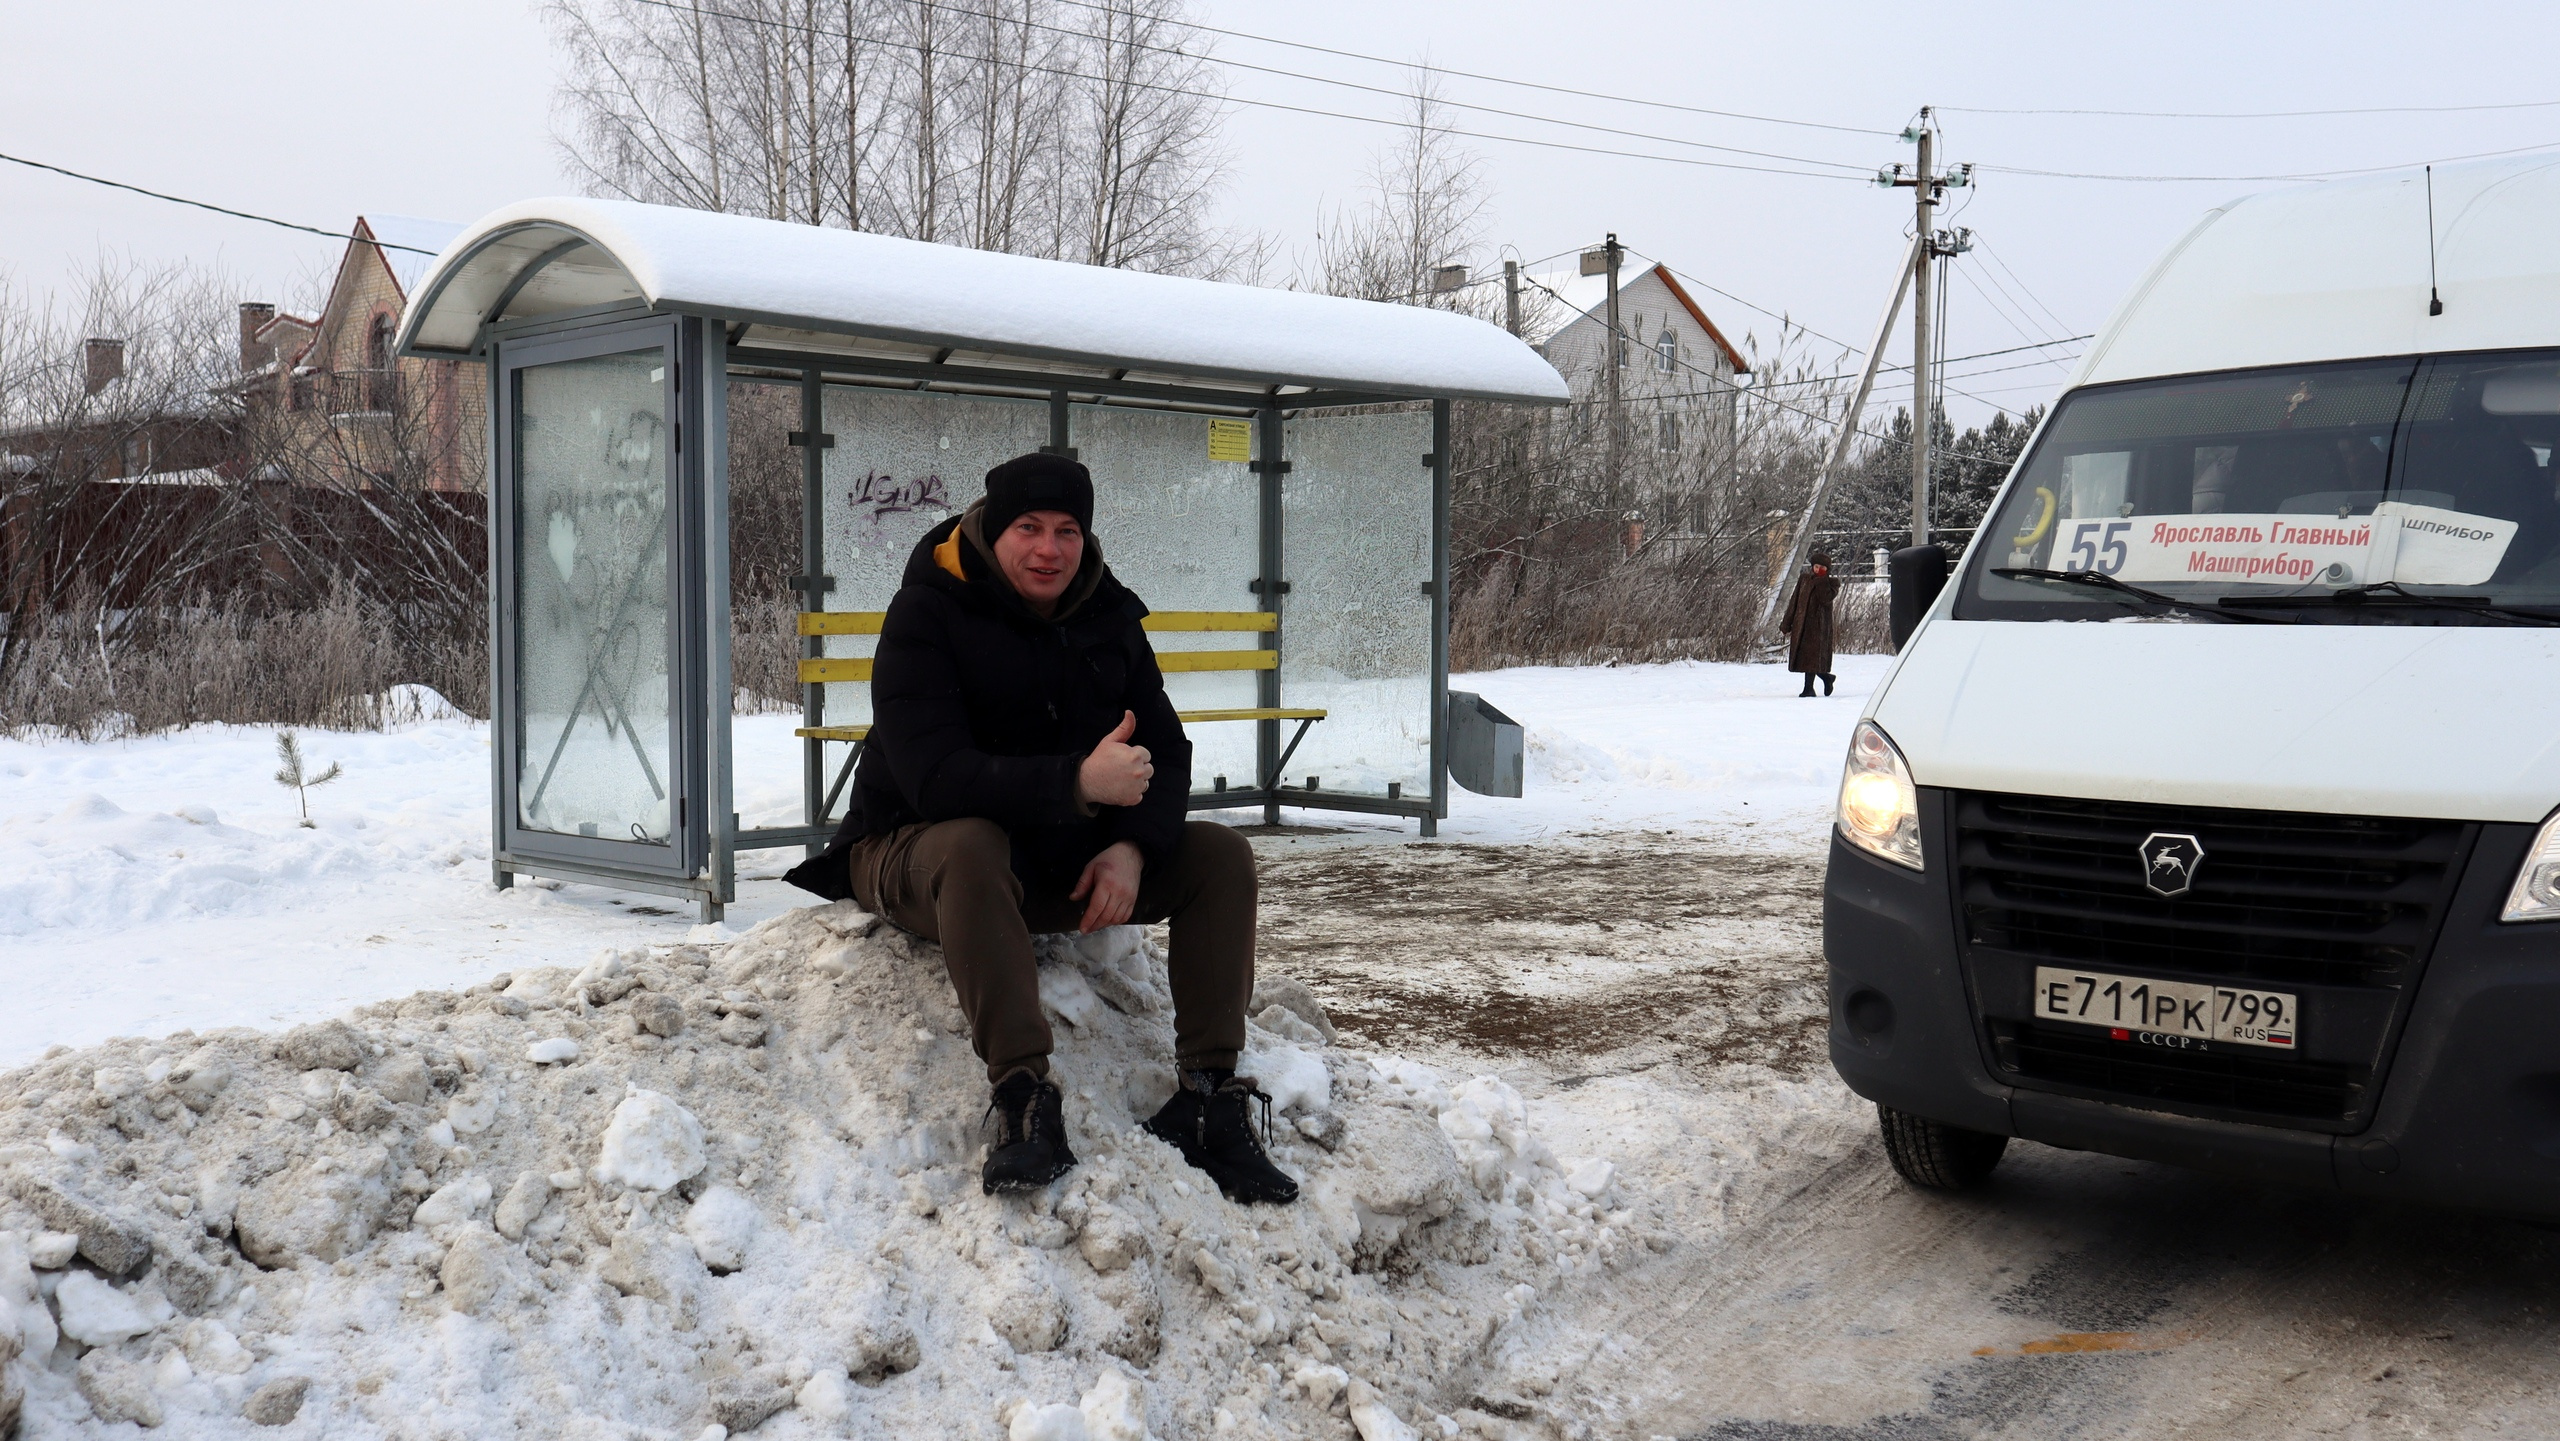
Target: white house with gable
<point>1678,376</point>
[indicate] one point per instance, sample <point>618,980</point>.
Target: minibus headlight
<point>2537,893</point>
<point>1879,810</point>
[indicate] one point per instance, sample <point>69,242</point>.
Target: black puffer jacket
<point>981,708</point>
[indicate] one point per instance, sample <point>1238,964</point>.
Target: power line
<point>1951,360</point>
<point>1764,310</point>
<point>1502,80</point>
<point>1223,99</point>
<point>2002,262</point>
<point>2011,299</point>
<point>1609,357</point>
<point>208,205</point>
<point>1882,388</point>
<point>1383,90</point>
<point>1468,284</point>
<point>2262,114</point>
<point>1997,308</point>
<point>2299,175</point>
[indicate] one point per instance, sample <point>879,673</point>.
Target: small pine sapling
<point>290,774</point>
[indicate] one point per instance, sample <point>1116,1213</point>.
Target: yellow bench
<point>857,670</point>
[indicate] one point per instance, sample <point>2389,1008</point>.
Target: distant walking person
<point>1808,624</point>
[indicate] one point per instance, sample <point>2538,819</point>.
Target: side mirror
<point>1918,573</point>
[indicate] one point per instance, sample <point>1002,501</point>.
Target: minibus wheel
<point>1935,1156</point>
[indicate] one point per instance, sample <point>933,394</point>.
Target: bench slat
<point>1191,717</point>
<point>1205,620</point>
<point>816,672</point>
<point>841,622</point>
<point>867,622</point>
<point>858,668</point>
<point>1171,661</point>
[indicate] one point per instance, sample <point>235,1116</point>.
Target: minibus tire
<point>1935,1156</point>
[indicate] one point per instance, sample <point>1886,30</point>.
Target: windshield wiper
<point>2109,583</point>
<point>2391,592</point>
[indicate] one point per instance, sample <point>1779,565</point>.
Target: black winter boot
<point>1827,679</point>
<point>1030,1148</point>
<point>1210,1121</point>
<point>1807,692</point>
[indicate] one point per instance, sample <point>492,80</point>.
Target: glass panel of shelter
<point>903,462</point>
<point>1357,619</point>
<point>1183,530</point>
<point>594,749</point>
<point>767,481</point>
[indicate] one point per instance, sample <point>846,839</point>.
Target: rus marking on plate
<point>2169,862</point>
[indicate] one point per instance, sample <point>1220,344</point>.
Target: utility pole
<point>1511,296</point>
<point>1920,411</point>
<point>1926,184</point>
<point>1837,457</point>
<point>1616,363</point>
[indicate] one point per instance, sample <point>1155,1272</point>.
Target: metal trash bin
<point>1488,753</point>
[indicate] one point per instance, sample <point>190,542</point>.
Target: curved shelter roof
<point>807,288</point>
<point>2339,271</point>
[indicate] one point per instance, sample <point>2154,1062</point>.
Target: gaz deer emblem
<point>2169,862</point>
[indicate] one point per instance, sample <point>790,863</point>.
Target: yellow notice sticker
<point>1231,440</point>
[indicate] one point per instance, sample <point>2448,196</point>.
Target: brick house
<point>326,392</point>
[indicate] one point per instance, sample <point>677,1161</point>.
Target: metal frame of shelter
<point>539,293</point>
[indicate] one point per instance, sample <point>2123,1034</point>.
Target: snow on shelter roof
<point>804,287</point>
<point>2339,271</point>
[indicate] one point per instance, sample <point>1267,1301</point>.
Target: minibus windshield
<point>2415,491</point>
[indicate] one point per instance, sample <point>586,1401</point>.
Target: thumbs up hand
<point>1116,773</point>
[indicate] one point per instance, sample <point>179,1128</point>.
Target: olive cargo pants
<point>952,882</point>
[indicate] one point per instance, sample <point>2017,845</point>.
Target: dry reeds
<point>91,674</point>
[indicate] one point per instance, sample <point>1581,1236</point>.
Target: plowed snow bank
<point>736,1185</point>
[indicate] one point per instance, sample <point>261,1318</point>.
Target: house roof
<point>406,245</point>
<point>408,265</point>
<point>1583,295</point>
<point>857,294</point>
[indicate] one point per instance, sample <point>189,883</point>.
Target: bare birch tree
<point>1082,132</point>
<point>1425,210</point>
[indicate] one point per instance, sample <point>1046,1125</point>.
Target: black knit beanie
<point>1037,482</point>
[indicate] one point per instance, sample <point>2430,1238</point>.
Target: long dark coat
<point>1808,624</point>
<point>980,708</point>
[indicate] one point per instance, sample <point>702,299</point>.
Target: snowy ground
<point>1633,949</point>
<point>160,883</point>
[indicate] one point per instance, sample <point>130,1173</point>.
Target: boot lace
<point>1245,1088</point>
<point>1011,1127</point>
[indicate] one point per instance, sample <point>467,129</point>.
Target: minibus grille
<point>2280,898</point>
<point>2273,1085</point>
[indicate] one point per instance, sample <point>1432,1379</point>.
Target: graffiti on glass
<point>876,496</point>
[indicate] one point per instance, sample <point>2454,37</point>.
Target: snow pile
<point>743,1194</point>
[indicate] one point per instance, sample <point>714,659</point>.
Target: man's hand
<point>1111,880</point>
<point>1115,774</point>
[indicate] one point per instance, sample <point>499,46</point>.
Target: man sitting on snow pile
<point>1025,772</point>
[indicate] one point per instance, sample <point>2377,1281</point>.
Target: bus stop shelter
<point>1271,473</point>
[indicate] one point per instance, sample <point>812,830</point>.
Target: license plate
<point>2167,1008</point>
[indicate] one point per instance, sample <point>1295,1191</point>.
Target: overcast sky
<point>318,112</point>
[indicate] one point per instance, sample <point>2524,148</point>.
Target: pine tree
<point>290,774</point>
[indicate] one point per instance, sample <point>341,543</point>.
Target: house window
<point>380,376</point>
<point>1666,352</point>
<point>1666,432</point>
